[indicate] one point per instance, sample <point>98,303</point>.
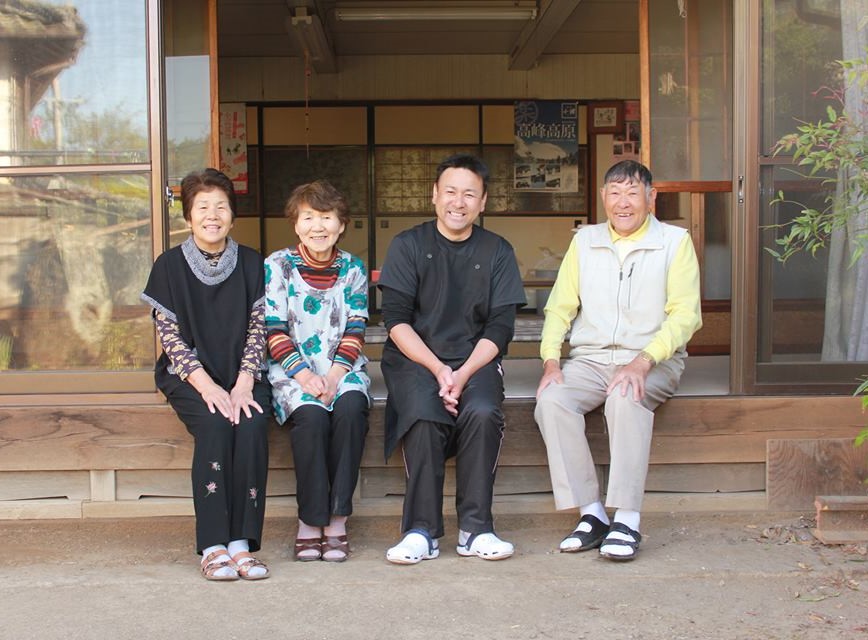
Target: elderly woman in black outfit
<point>208,301</point>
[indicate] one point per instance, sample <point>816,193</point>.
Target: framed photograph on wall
<point>607,117</point>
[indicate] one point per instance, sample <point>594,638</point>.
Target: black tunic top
<point>211,306</point>
<point>454,285</point>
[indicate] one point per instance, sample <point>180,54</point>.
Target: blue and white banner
<point>546,146</point>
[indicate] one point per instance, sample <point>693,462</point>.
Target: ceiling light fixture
<point>523,11</point>
<point>308,32</point>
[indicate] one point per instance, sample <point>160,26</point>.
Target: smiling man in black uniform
<point>450,294</point>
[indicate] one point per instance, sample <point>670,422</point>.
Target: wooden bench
<point>75,461</point>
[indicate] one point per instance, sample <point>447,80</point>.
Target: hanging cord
<point>682,10</point>
<point>307,103</point>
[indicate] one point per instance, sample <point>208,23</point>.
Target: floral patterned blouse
<point>316,320</point>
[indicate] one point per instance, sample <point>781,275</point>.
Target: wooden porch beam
<point>537,34</point>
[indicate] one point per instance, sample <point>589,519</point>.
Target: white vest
<point>622,306</point>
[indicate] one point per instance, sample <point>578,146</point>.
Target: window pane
<point>799,48</point>
<point>717,254</point>
<point>691,89</point>
<point>404,177</point>
<point>708,221</point>
<point>76,253</point>
<point>811,307</point>
<point>73,87</point>
<point>792,294</point>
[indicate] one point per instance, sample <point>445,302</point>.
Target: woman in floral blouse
<point>208,301</point>
<point>316,310</point>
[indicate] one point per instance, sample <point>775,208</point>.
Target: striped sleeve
<point>352,343</point>
<point>283,350</point>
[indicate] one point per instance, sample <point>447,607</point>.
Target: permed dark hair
<point>320,195</point>
<point>464,161</point>
<point>205,180</point>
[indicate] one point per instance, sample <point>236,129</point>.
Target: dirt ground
<point>740,576</point>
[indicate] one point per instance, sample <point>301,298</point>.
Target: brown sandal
<point>335,543</point>
<point>211,565</point>
<point>245,561</point>
<point>308,544</point>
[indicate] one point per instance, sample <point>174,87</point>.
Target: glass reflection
<point>73,87</point>
<point>76,252</point>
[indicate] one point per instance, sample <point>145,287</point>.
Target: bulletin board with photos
<point>504,199</point>
<point>627,142</point>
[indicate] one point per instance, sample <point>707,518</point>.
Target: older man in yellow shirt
<point>628,294</point>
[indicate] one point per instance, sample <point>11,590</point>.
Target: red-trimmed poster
<point>233,144</point>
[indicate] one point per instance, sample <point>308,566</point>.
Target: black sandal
<point>587,539</point>
<point>633,544</point>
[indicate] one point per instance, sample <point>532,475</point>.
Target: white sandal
<point>486,546</point>
<point>415,546</point>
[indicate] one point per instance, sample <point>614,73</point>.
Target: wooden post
<point>102,485</point>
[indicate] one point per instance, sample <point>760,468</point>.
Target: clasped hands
<point>451,384</point>
<point>323,388</point>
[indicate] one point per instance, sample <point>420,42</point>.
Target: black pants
<point>230,468</point>
<point>475,442</point>
<point>327,450</point>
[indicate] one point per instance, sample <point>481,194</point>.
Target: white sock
<point>223,557</point>
<point>238,545</point>
<point>243,545</point>
<point>628,517</point>
<point>595,509</point>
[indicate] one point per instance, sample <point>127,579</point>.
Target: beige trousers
<point>560,414</point>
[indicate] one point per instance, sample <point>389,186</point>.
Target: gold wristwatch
<point>647,357</point>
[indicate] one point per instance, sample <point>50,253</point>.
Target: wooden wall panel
<point>800,470</point>
<point>422,77</point>
<point>382,483</point>
<point>498,124</point>
<point>39,485</point>
<point>706,478</point>
<point>325,126</point>
<point>75,438</point>
<point>434,124</point>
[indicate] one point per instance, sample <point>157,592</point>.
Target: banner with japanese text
<point>546,155</point>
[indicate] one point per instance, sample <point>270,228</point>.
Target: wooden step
<point>842,519</point>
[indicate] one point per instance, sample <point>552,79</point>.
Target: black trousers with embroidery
<point>327,449</point>
<point>230,468</point>
<point>475,442</point>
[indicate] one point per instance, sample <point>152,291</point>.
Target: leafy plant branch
<point>834,152</point>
